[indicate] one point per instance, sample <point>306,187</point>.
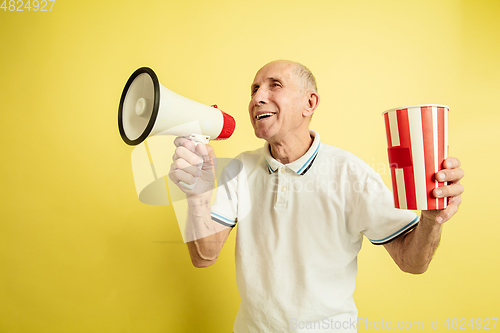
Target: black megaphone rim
<point>156,106</point>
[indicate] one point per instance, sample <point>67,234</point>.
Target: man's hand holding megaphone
<point>205,237</point>
<point>185,168</point>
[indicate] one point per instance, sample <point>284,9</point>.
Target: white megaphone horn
<point>148,108</point>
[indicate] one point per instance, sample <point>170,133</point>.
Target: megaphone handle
<point>197,139</point>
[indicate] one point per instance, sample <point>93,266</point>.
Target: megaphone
<point>148,108</point>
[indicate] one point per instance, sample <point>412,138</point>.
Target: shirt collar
<point>299,166</point>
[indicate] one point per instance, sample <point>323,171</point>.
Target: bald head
<point>305,76</point>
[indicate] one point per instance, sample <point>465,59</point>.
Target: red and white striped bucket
<point>417,141</point>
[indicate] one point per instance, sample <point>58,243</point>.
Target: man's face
<point>277,102</point>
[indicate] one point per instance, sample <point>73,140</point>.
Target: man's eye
<point>276,85</point>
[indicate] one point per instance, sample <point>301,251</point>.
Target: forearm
<point>204,240</point>
<point>413,251</point>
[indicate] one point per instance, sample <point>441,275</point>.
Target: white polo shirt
<point>300,228</point>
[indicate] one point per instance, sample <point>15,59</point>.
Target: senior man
<point>302,208</point>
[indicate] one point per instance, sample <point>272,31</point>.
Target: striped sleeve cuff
<point>398,233</point>
<point>223,220</point>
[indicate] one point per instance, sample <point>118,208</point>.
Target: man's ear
<point>312,103</point>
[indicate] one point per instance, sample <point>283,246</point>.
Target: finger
<point>455,200</point>
<point>179,173</point>
<point>186,154</point>
<point>182,165</point>
<point>208,155</point>
<point>184,142</point>
<point>180,176</point>
<point>451,190</point>
<point>179,141</point>
<point>451,210</point>
<point>210,150</point>
<point>172,174</point>
<point>202,150</point>
<point>212,159</point>
<point>449,175</point>
<point>451,163</point>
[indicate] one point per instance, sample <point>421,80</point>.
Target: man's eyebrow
<point>270,78</point>
<point>273,79</point>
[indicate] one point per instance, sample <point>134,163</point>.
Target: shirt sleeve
<point>379,220</point>
<point>232,189</point>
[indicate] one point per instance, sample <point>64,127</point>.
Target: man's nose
<point>260,97</point>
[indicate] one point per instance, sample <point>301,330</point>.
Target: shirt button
<point>283,170</point>
<point>283,188</point>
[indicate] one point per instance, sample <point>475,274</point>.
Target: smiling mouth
<point>264,115</point>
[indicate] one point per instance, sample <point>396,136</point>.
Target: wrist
<point>428,217</point>
<point>199,200</point>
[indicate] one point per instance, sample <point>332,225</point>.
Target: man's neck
<point>291,149</point>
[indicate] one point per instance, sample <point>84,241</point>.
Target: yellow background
<point>80,253</point>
